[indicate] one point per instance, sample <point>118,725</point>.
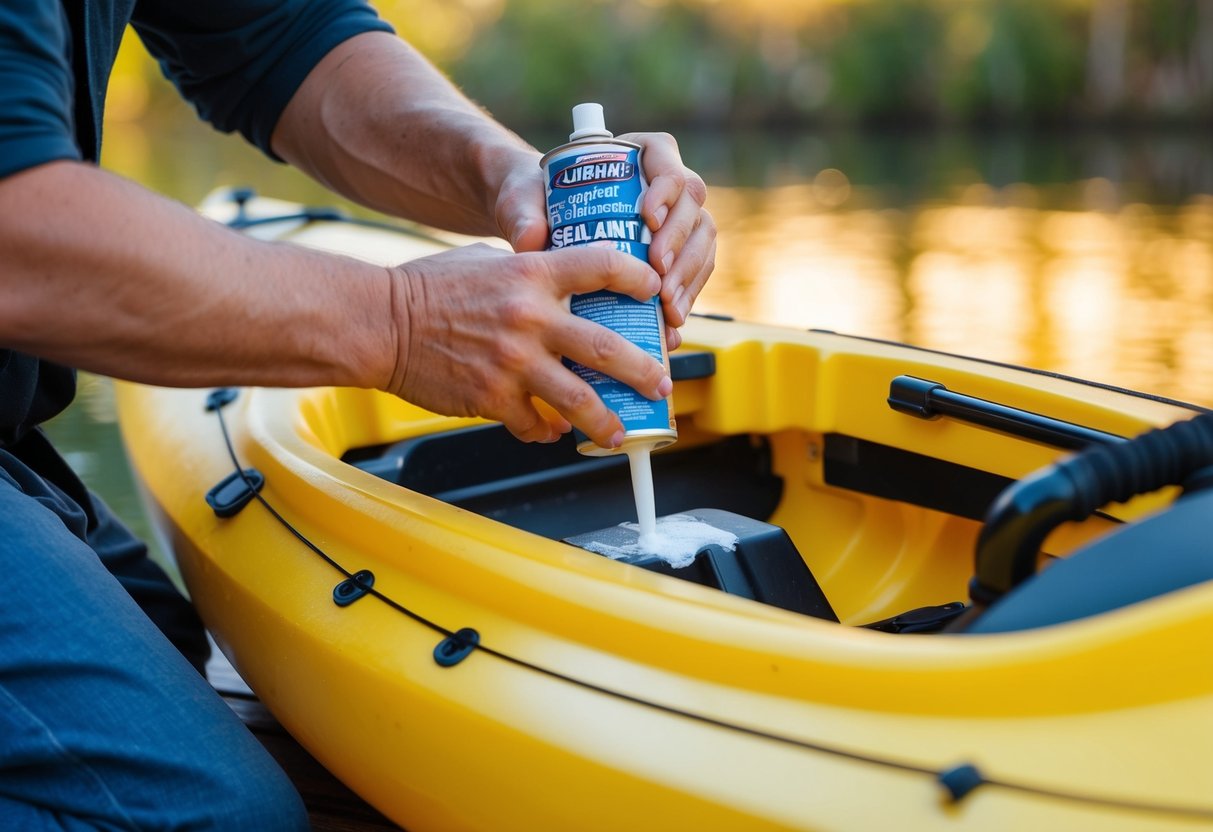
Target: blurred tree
<point>756,62</point>
<point>1107,51</point>
<point>885,60</point>
<point>1031,68</point>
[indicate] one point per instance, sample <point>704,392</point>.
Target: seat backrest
<point>1165,552</point>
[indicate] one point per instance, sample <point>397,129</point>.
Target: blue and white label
<point>594,193</point>
<point>622,234</point>
<point>639,322</point>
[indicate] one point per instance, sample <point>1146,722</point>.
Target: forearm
<point>100,274</point>
<point>378,123</point>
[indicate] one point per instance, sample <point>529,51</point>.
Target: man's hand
<point>683,251</point>
<point>479,332</point>
<point>684,235</point>
<point>482,331</point>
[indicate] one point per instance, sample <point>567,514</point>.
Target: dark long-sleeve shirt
<point>238,61</point>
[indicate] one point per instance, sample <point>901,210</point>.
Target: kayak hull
<point>600,695</point>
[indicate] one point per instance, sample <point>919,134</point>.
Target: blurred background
<point>1029,181</point>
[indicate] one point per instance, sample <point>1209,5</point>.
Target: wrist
<point>397,329</point>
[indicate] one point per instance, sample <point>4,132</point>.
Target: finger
<point>520,212</point>
<point>581,269</point>
<point>527,424</point>
<point>684,300</point>
<point>691,271</point>
<point>577,402</point>
<point>666,188</point>
<point>665,173</point>
<point>559,423</point>
<point>662,195</point>
<point>673,338</point>
<point>669,240</point>
<point>529,235</point>
<point>609,352</point>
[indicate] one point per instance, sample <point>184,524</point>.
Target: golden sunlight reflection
<point>1123,296</point>
<point>1073,277</point>
<point>1118,294</point>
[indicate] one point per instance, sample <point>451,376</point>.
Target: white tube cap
<point>588,121</point>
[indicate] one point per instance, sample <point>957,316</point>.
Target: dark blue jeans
<point>104,724</point>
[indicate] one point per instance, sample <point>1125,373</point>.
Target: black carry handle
<point>930,400</point>
<point>1074,488</point>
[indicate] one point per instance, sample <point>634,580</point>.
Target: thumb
<point>528,235</point>
<point>522,213</point>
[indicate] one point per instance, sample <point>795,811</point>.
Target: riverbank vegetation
<point>761,63</point>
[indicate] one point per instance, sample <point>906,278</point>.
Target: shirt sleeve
<point>36,86</point>
<point>240,61</point>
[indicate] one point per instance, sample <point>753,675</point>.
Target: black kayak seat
<point>764,565</point>
<point>1165,552</point>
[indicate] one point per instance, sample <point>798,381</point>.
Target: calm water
<point>1083,254</point>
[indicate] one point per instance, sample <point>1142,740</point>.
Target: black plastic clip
<point>221,397</point>
<point>353,587</point>
<point>912,396</point>
<point>959,780</point>
<point>456,647</point>
<point>234,492</point>
<point>690,365</point>
<point>921,620</point>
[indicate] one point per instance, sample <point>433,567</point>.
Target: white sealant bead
<point>678,540</point>
<point>588,121</point>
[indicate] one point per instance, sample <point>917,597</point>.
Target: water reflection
<point>1123,296</point>
<point>1081,254</point>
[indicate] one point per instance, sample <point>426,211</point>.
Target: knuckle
<point>608,265</point>
<point>510,356</point>
<point>682,232</point>
<point>677,179</point>
<point>653,374</point>
<point>517,313</point>
<point>577,259</point>
<point>614,265</point>
<point>528,429</point>
<point>600,257</point>
<point>696,187</point>
<point>699,266</point>
<point>580,398</point>
<point>668,288</point>
<point>531,268</point>
<point>665,138</point>
<point>604,345</point>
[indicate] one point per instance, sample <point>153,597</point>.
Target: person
<point>103,722</point>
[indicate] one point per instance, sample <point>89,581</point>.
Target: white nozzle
<point>588,121</point>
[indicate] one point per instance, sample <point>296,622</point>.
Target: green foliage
<point>886,66</point>
<point>906,61</point>
<point>539,59</point>
<point>673,63</point>
<point>1031,68</point>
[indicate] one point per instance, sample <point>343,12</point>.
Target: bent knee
<point>256,796</point>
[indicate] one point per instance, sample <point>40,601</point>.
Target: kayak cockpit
<point>817,514</point>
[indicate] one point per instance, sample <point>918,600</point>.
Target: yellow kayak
<point>906,623</point>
